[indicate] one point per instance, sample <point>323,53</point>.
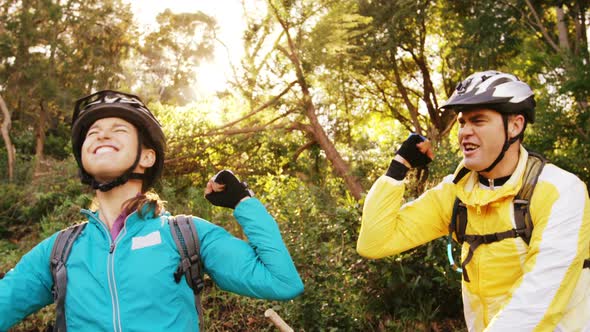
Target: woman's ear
<point>148,158</point>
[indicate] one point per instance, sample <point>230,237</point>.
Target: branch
<point>449,126</point>
<point>293,54</point>
<point>237,131</point>
<point>411,107</point>
<point>402,119</point>
<point>5,132</point>
<point>541,27</point>
<point>259,128</point>
<point>6,121</point>
<point>259,109</point>
<point>302,148</point>
<point>582,133</point>
<point>286,53</point>
<point>302,127</point>
<point>227,52</point>
<point>292,126</point>
<point>268,54</point>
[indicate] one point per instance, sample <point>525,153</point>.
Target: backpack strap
<point>459,225</point>
<point>459,220</point>
<point>477,240</point>
<point>57,264</point>
<point>535,165</point>
<point>187,242</point>
<point>522,215</point>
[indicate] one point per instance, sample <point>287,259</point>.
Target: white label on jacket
<point>146,241</point>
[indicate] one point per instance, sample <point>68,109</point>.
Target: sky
<point>229,16</point>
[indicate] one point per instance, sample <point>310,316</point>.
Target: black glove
<point>410,152</point>
<point>397,170</point>
<point>233,192</point>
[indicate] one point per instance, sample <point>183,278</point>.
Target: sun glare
<point>212,76</point>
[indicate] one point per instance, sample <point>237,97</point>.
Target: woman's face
<point>109,149</point>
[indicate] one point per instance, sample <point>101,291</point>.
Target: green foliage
<point>330,41</point>
<point>417,285</point>
<point>65,214</point>
<point>479,35</point>
<point>320,236</point>
<point>171,54</point>
<point>371,67</point>
<point>230,312</point>
<point>26,204</point>
<point>11,207</point>
<point>557,134</point>
<point>57,143</point>
<point>32,211</point>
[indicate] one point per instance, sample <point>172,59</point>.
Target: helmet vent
<point>462,86</point>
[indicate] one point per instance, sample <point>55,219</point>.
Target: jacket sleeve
<point>388,228</point>
<point>560,210</point>
<point>261,267</point>
<point>27,287</point>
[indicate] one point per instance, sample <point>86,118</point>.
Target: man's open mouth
<point>470,147</point>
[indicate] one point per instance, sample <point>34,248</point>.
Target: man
<point>508,285</point>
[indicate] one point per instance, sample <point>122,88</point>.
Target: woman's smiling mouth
<point>105,149</point>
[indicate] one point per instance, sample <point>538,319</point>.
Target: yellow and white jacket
<point>514,287</point>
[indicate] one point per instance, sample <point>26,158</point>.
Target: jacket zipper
<point>111,269</point>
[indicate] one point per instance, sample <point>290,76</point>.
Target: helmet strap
<point>507,143</point>
<point>122,179</point>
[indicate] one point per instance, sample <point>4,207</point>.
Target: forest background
<point>322,96</point>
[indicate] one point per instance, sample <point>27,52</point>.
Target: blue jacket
<point>128,285</point>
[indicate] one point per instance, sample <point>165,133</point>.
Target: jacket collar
<point>471,192</point>
<point>130,220</point>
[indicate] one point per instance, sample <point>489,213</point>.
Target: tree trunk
<point>562,29</point>
<point>40,140</point>
<point>412,109</point>
<point>6,123</point>
<point>341,167</point>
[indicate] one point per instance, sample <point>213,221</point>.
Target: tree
<point>5,129</point>
<point>277,59</point>
<point>171,55</point>
<point>558,44</point>
<point>54,52</point>
<point>401,48</point>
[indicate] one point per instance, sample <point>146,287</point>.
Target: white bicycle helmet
<point>502,92</point>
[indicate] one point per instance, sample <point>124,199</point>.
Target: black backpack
<point>522,216</point>
<point>187,242</point>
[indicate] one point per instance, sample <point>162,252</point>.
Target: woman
<point>120,270</point>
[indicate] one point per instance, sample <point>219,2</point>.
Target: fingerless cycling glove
<point>410,152</point>
<point>233,192</point>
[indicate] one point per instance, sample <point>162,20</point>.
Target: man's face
<point>481,137</point>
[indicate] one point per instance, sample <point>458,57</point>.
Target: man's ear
<point>148,158</point>
<point>516,125</point>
